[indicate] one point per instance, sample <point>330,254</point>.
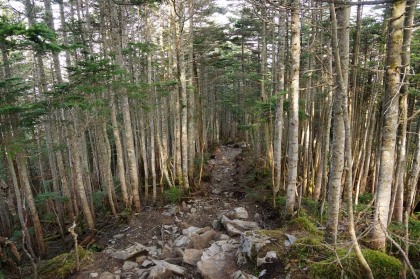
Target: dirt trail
<point>223,190</point>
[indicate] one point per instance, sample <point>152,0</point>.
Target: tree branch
<point>373,2</point>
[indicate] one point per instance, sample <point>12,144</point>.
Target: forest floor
<point>227,175</point>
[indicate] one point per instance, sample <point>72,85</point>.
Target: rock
<point>94,275</point>
<point>202,241</point>
<point>146,264</point>
<point>270,257</point>
<point>182,241</point>
<point>129,265</point>
<point>218,261</point>
<point>129,252</point>
<point>192,256</point>
<point>216,191</point>
<point>173,268</point>
<point>242,275</point>
<point>159,272</point>
<point>216,224</point>
<point>141,259</point>
<point>193,210</point>
<point>176,261</point>
<point>290,240</point>
<point>236,227</point>
<point>173,210</point>
<point>107,275</point>
<point>118,236</point>
<point>141,273</point>
<point>251,243</point>
<point>224,237</point>
<point>232,230</point>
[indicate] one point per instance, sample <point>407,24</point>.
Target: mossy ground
<point>344,263</point>
<point>63,265</point>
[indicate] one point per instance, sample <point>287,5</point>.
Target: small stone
<point>94,275</point>
<point>146,264</point>
<point>118,236</point>
<point>193,210</point>
<point>107,275</point>
<point>140,259</point>
<point>216,224</point>
<point>239,213</point>
<point>154,237</point>
<point>216,191</point>
<point>223,237</point>
<point>129,265</point>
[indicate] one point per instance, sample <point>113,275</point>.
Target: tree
<point>389,125</point>
<point>293,151</point>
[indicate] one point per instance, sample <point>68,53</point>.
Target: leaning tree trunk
<point>389,126</point>
<point>340,38</point>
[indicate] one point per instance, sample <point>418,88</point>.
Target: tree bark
<point>389,126</point>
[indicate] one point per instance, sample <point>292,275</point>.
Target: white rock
<point>118,236</point>
<point>182,241</point>
<point>193,210</point>
<point>190,230</point>
<point>174,268</point>
<point>129,265</point>
<point>129,252</point>
<point>94,275</point>
<point>146,264</point>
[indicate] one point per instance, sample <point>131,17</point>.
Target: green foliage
<point>1,274</point>
<point>41,198</point>
<point>63,265</point>
<point>365,198</point>
<point>16,35</point>
<point>98,198</point>
<point>382,265</point>
<point>173,195</point>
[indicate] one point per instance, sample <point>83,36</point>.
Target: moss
<point>63,265</point>
<point>276,245</point>
<point>382,265</point>
<point>303,223</point>
<point>307,247</point>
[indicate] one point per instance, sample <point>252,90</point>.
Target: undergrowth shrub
<point>173,195</point>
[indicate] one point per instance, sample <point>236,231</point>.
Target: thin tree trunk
<point>293,152</point>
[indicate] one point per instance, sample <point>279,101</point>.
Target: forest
<point>112,109</point>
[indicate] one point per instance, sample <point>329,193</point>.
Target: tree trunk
<point>293,152</point>
<point>389,126</point>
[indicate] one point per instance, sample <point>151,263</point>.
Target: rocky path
<point>208,236</point>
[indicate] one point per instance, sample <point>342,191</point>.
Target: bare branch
<point>365,3</point>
